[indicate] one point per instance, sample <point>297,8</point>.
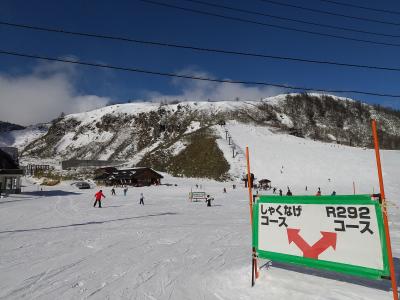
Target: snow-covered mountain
<point>187,138</point>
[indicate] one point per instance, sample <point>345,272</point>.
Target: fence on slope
<point>237,152</point>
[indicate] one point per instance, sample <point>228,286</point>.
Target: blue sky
<point>149,22</point>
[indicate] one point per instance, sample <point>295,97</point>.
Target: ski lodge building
<point>10,173</point>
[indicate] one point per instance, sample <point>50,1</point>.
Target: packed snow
<point>55,245</point>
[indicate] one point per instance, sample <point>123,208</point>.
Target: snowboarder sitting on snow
<point>98,196</point>
<point>208,200</point>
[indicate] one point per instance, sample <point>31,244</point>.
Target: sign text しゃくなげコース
<point>278,214</point>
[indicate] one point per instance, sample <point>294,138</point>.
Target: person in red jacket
<point>98,196</point>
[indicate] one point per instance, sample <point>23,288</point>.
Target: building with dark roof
<point>10,174</point>
<point>264,184</point>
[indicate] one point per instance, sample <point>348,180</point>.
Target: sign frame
<point>323,264</point>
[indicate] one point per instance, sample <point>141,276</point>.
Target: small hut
<point>264,184</point>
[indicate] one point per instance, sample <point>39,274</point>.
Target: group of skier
<point>289,192</point>
<point>99,195</point>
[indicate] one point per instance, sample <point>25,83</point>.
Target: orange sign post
<point>254,270</point>
<point>384,211</point>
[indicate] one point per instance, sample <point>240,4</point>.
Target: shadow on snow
<point>38,195</point>
<point>51,193</point>
<point>383,284</point>
<point>87,223</point>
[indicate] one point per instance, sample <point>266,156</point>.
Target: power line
<point>362,7</point>
<point>200,49</point>
<point>202,12</point>
<point>252,12</point>
<point>331,13</point>
<point>165,74</point>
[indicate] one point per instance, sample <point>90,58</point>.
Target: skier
<point>208,200</point>
<point>289,192</point>
<point>274,190</point>
<point>113,192</point>
<point>125,191</point>
<point>333,193</point>
<point>319,192</point>
<point>224,190</point>
<point>280,192</point>
<point>141,199</point>
<point>98,196</point>
<point>306,188</point>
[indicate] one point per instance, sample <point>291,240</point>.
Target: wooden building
<point>10,174</point>
<point>133,177</point>
<point>264,184</point>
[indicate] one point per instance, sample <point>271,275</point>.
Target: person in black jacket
<point>141,199</point>
<point>208,200</point>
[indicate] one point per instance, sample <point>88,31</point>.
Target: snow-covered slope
<point>291,161</point>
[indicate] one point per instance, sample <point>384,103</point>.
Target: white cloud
<point>196,90</point>
<point>43,95</point>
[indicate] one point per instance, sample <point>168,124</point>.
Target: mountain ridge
<point>160,135</point>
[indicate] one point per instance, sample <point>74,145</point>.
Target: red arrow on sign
<point>327,240</point>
